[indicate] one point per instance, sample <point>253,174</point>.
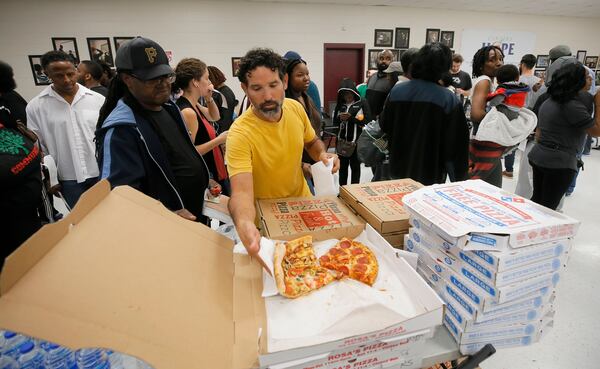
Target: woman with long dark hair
<point>224,97</point>
<point>297,87</point>
<point>563,122</point>
<point>192,79</point>
<point>484,156</point>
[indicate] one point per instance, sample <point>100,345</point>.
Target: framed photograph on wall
<point>542,61</point>
<point>68,45</point>
<point>100,50</point>
<point>402,38</point>
<point>384,37</point>
<point>581,55</point>
<point>120,41</point>
<point>373,54</point>
<point>39,77</point>
<point>591,62</point>
<point>447,38</point>
<point>540,73</point>
<point>598,77</point>
<point>235,65</point>
<point>432,35</point>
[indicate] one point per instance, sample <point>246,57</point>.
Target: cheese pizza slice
<point>296,270</point>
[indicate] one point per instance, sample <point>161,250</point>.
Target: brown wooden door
<point>341,61</point>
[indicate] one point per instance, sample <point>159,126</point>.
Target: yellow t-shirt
<point>271,151</point>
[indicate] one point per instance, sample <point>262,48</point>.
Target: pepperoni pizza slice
<point>352,259</point>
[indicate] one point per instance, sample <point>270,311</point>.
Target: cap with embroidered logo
<point>143,58</point>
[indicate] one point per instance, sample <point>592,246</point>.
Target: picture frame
<point>591,62</point>
<point>100,50</point>
<point>432,35</point>
<point>384,37</point>
<point>39,76</point>
<point>373,54</point>
<point>235,65</point>
<point>67,45</point>
<point>540,73</point>
<point>120,40</point>
<point>598,77</point>
<point>542,61</point>
<point>447,38</point>
<point>402,38</point>
<point>396,54</point>
<point>581,54</point>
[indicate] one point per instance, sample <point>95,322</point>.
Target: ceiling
<point>568,8</point>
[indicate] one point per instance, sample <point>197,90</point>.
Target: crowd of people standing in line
<point>174,133</point>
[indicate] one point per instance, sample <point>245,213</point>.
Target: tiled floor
<point>574,342</point>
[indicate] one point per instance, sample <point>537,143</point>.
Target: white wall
<point>217,31</point>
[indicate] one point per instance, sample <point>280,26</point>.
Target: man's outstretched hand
<point>326,156</point>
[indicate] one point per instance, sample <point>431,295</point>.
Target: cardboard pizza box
<point>478,290</point>
<point>380,203</point>
<point>474,215</point>
<point>492,262</point>
<point>395,239</point>
<point>323,217</point>
<point>477,266</point>
<point>124,273</point>
<point>416,328</point>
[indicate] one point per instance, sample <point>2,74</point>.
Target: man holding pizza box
<point>265,144</point>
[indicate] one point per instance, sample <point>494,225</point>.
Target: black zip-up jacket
<point>347,130</point>
<point>130,153</point>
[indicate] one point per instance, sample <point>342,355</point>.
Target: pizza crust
<point>279,273</point>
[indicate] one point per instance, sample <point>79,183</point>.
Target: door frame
<point>344,46</point>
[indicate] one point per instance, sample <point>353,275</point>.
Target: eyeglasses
<point>170,78</point>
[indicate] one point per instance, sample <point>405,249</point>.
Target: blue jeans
<point>71,190</point>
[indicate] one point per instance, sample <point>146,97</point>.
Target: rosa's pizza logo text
<point>151,54</point>
<point>319,219</point>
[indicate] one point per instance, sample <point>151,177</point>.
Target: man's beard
<point>271,111</point>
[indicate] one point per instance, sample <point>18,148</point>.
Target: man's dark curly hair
<point>260,57</point>
<point>431,62</point>
<point>481,56</point>
<point>55,56</point>
<point>567,82</point>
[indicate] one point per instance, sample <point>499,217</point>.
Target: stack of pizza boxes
<point>493,257</point>
<point>380,205</point>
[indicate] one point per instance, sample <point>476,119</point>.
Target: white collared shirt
<point>66,131</point>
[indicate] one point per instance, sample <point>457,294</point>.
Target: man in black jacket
<point>425,123</point>
<point>142,139</point>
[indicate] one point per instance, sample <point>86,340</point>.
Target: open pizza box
<point>124,273</point>
<point>475,215</point>
<point>327,218</point>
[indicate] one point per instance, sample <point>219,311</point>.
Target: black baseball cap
<point>144,58</point>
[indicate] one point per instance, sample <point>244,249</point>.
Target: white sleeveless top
<point>479,79</point>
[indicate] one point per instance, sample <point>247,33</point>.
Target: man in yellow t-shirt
<point>265,144</point>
